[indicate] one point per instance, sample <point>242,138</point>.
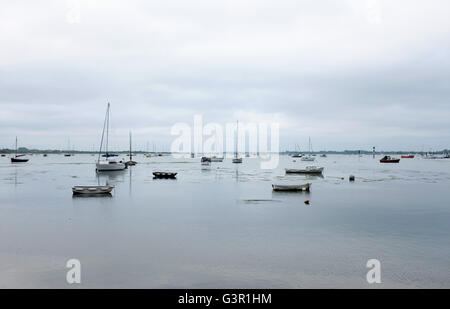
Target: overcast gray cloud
<point>349,73</point>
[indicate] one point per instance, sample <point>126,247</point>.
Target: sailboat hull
<point>17,160</point>
<point>107,167</point>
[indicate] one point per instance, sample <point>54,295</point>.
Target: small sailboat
<point>18,158</point>
<point>307,170</point>
<point>309,157</point>
<point>236,158</point>
<point>296,188</point>
<point>108,164</point>
<point>131,162</point>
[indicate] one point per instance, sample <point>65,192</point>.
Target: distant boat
<point>307,170</point>
<point>108,164</point>
<point>309,157</point>
<point>205,161</point>
<point>323,155</point>
<point>304,187</point>
<point>109,155</point>
<point>297,154</point>
<point>408,157</point>
<point>217,159</point>
<point>236,158</point>
<point>131,162</point>
<point>430,156</point>
<point>44,154</point>
<point>388,159</point>
<point>92,190</point>
<point>17,158</point>
<point>166,175</point>
<point>192,155</point>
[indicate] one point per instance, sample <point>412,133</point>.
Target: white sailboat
<point>109,163</point>
<point>236,158</point>
<point>309,157</point>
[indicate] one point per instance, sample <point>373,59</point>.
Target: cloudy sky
<point>351,74</point>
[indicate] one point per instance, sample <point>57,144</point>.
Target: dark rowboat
<point>165,175</point>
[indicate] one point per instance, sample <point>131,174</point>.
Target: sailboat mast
<point>131,154</point>
<point>107,130</point>
<point>103,135</point>
<point>15,151</point>
<point>237,139</point>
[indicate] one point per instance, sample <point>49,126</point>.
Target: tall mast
<point>103,134</point>
<point>131,154</point>
<point>237,139</point>
<point>107,129</point>
<point>16,148</point>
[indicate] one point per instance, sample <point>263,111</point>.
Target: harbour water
<point>224,227</point>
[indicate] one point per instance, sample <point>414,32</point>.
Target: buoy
<point>342,178</point>
<point>294,161</point>
<point>351,178</point>
<point>307,202</point>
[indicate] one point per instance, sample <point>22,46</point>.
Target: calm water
<point>225,227</point>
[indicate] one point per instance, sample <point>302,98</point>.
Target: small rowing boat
<point>307,170</point>
<point>304,187</point>
<point>92,190</point>
<point>408,157</point>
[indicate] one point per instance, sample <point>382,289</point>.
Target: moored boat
<point>92,190</point>
<point>389,159</point>
<point>407,157</point>
<point>18,158</point>
<point>296,188</point>
<point>108,164</point>
<point>307,170</point>
<point>217,159</point>
<point>165,175</point>
<point>237,159</point>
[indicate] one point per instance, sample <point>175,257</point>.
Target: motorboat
<point>407,157</point>
<point>389,159</point>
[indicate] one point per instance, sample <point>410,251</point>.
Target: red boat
<point>388,159</point>
<point>408,157</point>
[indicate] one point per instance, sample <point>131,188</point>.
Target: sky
<point>350,74</point>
